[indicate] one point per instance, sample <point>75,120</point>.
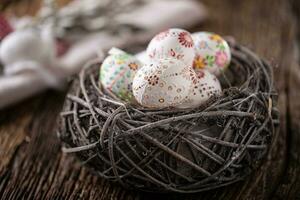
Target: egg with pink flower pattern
<point>172,43</point>
<point>212,52</point>
<point>163,83</point>
<point>206,86</point>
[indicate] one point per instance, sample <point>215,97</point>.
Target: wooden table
<point>32,165</point>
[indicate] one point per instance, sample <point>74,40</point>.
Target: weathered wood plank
<point>38,169</point>
<point>32,165</point>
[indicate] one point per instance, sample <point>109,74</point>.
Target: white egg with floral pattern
<point>117,72</point>
<point>175,43</point>
<point>163,83</point>
<point>207,86</point>
<point>143,57</point>
<point>212,52</point>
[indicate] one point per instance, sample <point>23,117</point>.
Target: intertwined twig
<point>185,151</point>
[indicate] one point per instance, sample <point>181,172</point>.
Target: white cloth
<point>155,16</point>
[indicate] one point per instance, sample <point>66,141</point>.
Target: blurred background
<point>31,162</point>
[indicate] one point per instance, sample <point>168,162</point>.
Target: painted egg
<point>163,83</point>
<point>212,52</point>
<point>206,86</point>
<point>174,43</point>
<point>117,73</point>
<point>142,56</point>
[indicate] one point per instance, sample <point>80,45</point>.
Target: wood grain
<point>32,165</point>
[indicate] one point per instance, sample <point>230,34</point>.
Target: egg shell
<point>23,45</point>
<point>163,83</point>
<point>175,43</point>
<point>117,73</point>
<point>206,86</point>
<point>143,57</point>
<point>212,52</point>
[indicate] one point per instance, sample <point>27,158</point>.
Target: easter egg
<point>212,52</point>
<point>163,83</point>
<point>117,72</point>
<point>142,56</point>
<point>206,86</point>
<point>175,43</point>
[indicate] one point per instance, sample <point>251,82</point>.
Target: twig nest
<point>175,150</point>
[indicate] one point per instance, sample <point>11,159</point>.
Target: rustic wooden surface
<point>32,165</point>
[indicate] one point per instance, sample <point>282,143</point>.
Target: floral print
<point>185,39</point>
<point>199,62</point>
<point>189,74</point>
<point>221,46</point>
<point>133,66</point>
<point>194,77</point>
<point>162,35</point>
<point>116,74</point>
<point>221,58</point>
<point>210,60</point>
<point>162,84</point>
<point>175,43</point>
<point>152,54</point>
<point>175,54</point>
<point>212,52</point>
<point>216,38</point>
<point>206,87</point>
<point>201,74</point>
<point>202,45</point>
<point>120,59</point>
<point>153,80</point>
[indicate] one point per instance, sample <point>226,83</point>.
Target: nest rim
<point>105,144</point>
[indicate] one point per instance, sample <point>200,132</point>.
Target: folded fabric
<point>143,23</point>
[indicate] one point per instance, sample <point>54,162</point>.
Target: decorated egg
<point>142,56</point>
<point>175,43</point>
<point>203,88</point>
<point>212,52</point>
<point>117,72</point>
<point>163,83</point>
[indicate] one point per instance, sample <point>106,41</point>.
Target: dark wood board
<point>32,165</point>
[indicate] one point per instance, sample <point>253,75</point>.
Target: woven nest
<point>172,150</point>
